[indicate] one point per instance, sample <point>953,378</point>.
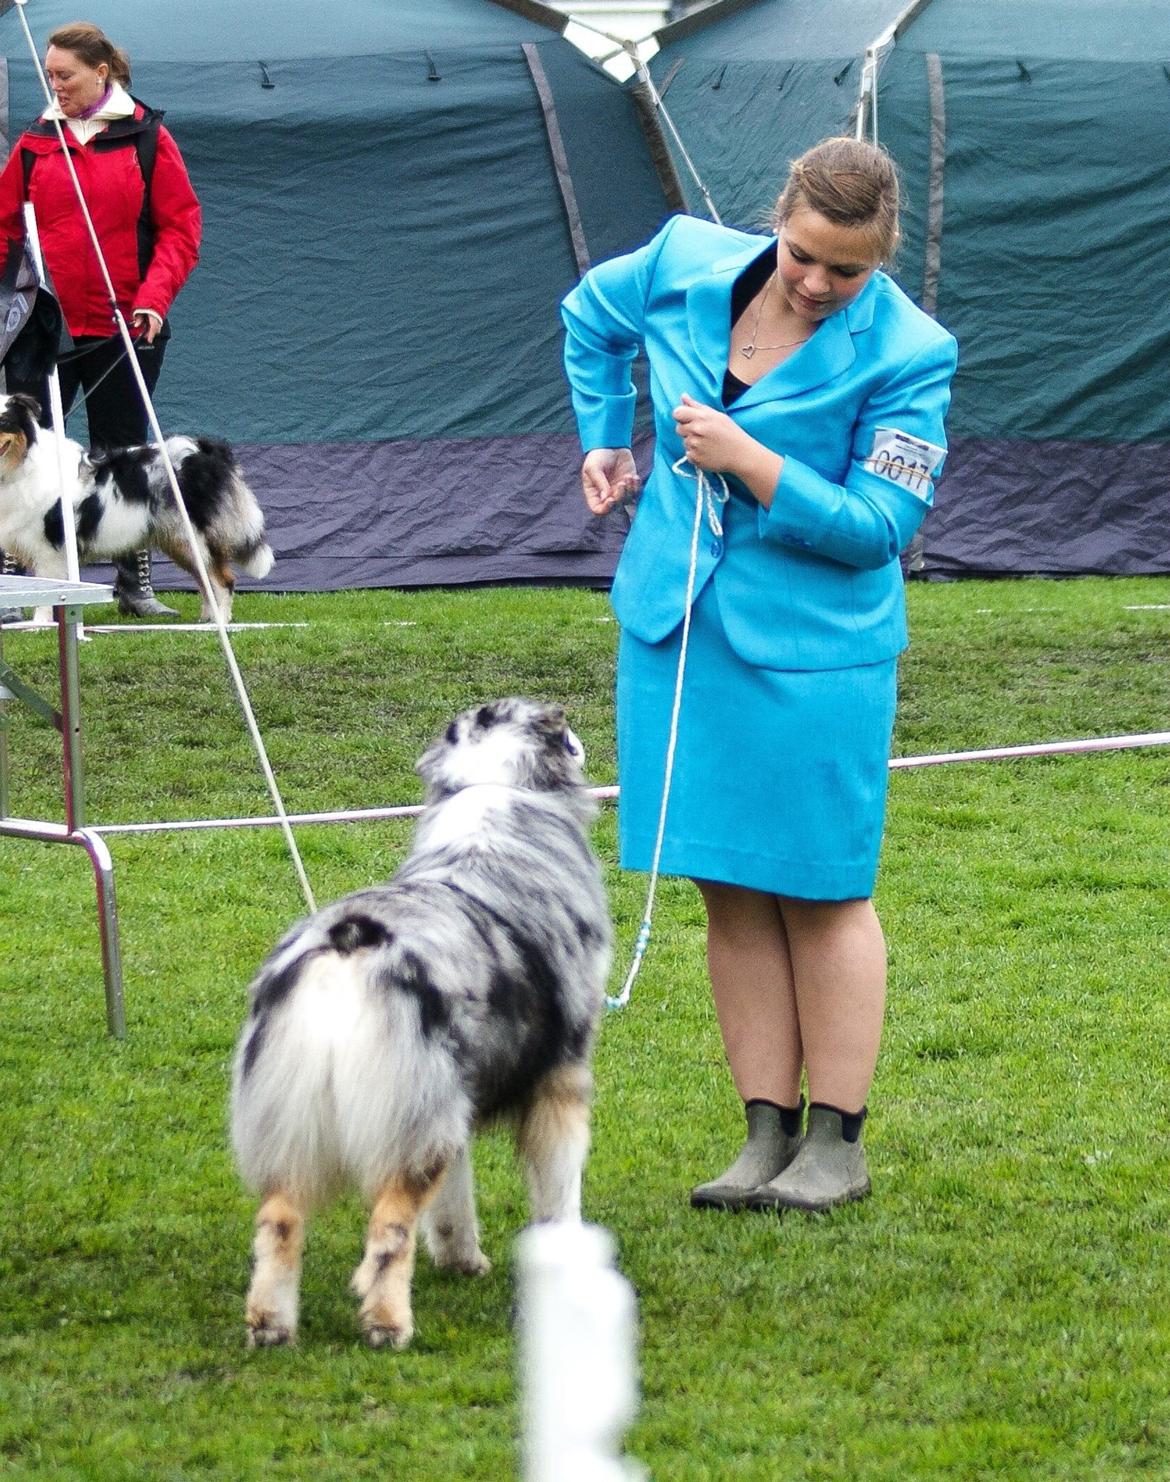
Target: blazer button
<point>716,547</point>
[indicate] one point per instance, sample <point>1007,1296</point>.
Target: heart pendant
<point>748,351</point>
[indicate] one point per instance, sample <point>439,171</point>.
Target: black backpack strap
<point>146,145</point>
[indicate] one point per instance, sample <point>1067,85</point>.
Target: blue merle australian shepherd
<point>385,1028</point>
<point>122,501</point>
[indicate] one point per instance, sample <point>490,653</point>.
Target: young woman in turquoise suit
<point>795,369</point>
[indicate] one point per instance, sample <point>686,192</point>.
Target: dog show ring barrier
<point>66,598</point>
<point>94,838</point>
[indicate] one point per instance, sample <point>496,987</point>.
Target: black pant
<point>113,405</point>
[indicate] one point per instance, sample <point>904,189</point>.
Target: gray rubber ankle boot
<point>826,1171</point>
<point>133,589</point>
<point>767,1151</point>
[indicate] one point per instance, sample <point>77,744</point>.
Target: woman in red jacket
<point>148,221</point>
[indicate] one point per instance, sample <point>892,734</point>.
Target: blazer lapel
<point>709,315</point>
<point>709,325</point>
<point>829,352</point>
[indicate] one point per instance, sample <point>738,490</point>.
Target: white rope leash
<point>188,528</point>
<point>710,500</point>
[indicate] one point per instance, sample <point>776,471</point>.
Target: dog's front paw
<point>265,1330</point>
<point>466,1263</point>
<point>381,1334</point>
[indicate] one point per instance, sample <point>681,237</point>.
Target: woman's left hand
<point>717,444</point>
<point>147,325</point>
<point>711,439</point>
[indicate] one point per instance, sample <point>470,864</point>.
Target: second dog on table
<point>386,1027</point>
<point>122,501</point>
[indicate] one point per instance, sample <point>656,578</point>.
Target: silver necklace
<point>748,350</point>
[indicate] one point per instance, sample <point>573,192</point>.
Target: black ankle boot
<point>133,590</point>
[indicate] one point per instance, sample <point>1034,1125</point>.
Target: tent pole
<point>658,108</point>
<point>867,104</point>
<point>534,10</point>
<point>650,106</point>
<point>867,98</point>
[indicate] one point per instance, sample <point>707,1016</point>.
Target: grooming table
<point>66,598</point>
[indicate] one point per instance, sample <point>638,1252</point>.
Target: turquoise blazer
<point>857,414</point>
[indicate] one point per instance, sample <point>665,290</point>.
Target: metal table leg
<point>68,615</point>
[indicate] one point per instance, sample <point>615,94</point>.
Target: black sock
<point>790,1116</point>
<point>850,1121</point>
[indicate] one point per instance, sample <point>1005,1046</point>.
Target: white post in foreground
<point>576,1321</point>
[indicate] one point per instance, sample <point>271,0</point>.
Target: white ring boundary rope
<point>610,794</point>
<point>188,528</point>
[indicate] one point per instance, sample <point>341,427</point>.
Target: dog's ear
<point>553,726</point>
<point>29,403</point>
<point>549,721</point>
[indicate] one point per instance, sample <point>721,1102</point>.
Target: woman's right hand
<point>608,478</point>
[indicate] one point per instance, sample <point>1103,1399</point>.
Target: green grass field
<point>999,1309</point>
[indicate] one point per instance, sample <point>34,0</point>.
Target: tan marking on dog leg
<point>553,1139</point>
<point>273,1297</point>
<point>383,1279</point>
<point>223,584</point>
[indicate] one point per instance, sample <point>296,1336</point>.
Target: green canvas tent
<point>395,198</point>
<point>1031,136</point>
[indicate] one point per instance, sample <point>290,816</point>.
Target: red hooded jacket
<point>111,181</point>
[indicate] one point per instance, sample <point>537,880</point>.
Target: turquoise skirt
<point>779,777</point>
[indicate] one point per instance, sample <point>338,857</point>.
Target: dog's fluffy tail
<point>250,551</point>
<point>333,1082</point>
<point>255,558</point>
<point>238,524</point>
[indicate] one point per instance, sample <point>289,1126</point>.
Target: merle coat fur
<point>122,501</point>
<point>387,1026</point>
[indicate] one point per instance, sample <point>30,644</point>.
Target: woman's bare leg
<point>751,977</point>
<point>839,972</point>
<point>838,957</point>
<point>751,971</point>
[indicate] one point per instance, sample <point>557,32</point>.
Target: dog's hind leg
<point>554,1139</point>
<point>383,1279</point>
<point>449,1224</point>
<point>273,1297</point>
<point>223,584</point>
<point>220,574</point>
